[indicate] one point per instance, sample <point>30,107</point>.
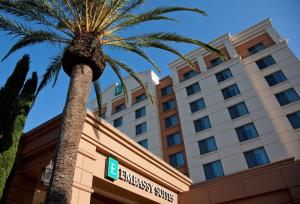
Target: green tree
<point>15,103</point>
<point>85,29</point>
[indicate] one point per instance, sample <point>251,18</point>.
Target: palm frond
<point>134,48</point>
<point>52,72</point>
<point>115,67</point>
<point>132,73</point>
<point>34,38</point>
<point>97,89</point>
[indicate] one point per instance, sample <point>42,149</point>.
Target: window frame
<point>205,142</point>
<point>219,75</point>
<point>256,164</point>
<point>191,87</point>
<point>137,111</point>
<point>120,119</point>
<point>143,124</point>
<point>194,110</point>
<point>274,82</point>
<point>226,91</point>
<point>283,96</point>
<point>237,105</point>
<point>197,130</point>
<point>239,130</point>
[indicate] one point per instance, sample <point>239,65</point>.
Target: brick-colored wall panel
<point>242,50</point>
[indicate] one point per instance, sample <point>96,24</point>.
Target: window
<point>173,139</point>
<point>246,132</point>
<point>238,110</point>
<point>166,91</point>
<point>141,128</point>
<point>118,89</point>
<point>207,145</point>
<point>213,170</point>
<point>171,121</point>
<point>294,119</point>
<point>275,78</point>
<point>202,124</point>
<point>256,157</point>
<point>223,75</point>
<point>194,88</point>
<point>230,91</point>
<point>169,105</point>
<point>118,122</point>
<point>120,107</point>
<point>144,143</point>
<point>197,105</point>
<point>286,97</point>
<point>140,98</point>
<point>177,159</point>
<point>256,48</point>
<point>265,62</point>
<point>216,62</point>
<point>189,74</point>
<point>140,112</point>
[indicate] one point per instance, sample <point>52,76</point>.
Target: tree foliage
<point>16,98</point>
<point>108,21</point>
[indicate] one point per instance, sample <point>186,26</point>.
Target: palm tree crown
<point>85,27</point>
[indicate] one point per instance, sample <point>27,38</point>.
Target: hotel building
<point>231,127</point>
<point>223,117</point>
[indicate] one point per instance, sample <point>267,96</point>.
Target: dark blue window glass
<point>197,105</point>
<point>144,143</point>
<point>286,97</point>
<point>216,62</point>
<point>194,88</point>
<point>213,170</point>
<point>141,128</point>
<point>207,145</point>
<point>171,121</point>
<point>275,78</point>
<point>140,98</point>
<point>140,112</point>
<point>173,139</point>
<point>256,157</point>
<point>189,74</point>
<point>294,119</point>
<point>238,110</point>
<point>246,132</point>
<point>169,105</point>
<point>223,75</point>
<point>118,122</point>
<point>230,91</point>
<point>177,159</point>
<point>202,124</point>
<point>166,90</point>
<point>120,107</point>
<point>256,48</point>
<point>265,62</point>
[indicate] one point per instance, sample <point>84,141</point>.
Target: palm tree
<point>85,29</point>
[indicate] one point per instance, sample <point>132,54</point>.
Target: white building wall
<point>276,135</point>
<point>129,121</point>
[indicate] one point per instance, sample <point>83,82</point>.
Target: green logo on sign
<point>113,169</point>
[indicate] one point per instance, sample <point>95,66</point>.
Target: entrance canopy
<point>110,167</point>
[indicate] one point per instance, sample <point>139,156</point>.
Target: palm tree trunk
<point>75,111</point>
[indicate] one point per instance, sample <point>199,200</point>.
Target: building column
<point>273,34</point>
<point>230,49</point>
<point>83,176</point>
<point>201,63</point>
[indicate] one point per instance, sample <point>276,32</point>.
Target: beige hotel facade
<point>227,132</point>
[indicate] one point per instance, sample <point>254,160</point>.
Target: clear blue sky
<point>224,16</point>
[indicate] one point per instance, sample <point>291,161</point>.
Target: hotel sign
<point>115,173</point>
